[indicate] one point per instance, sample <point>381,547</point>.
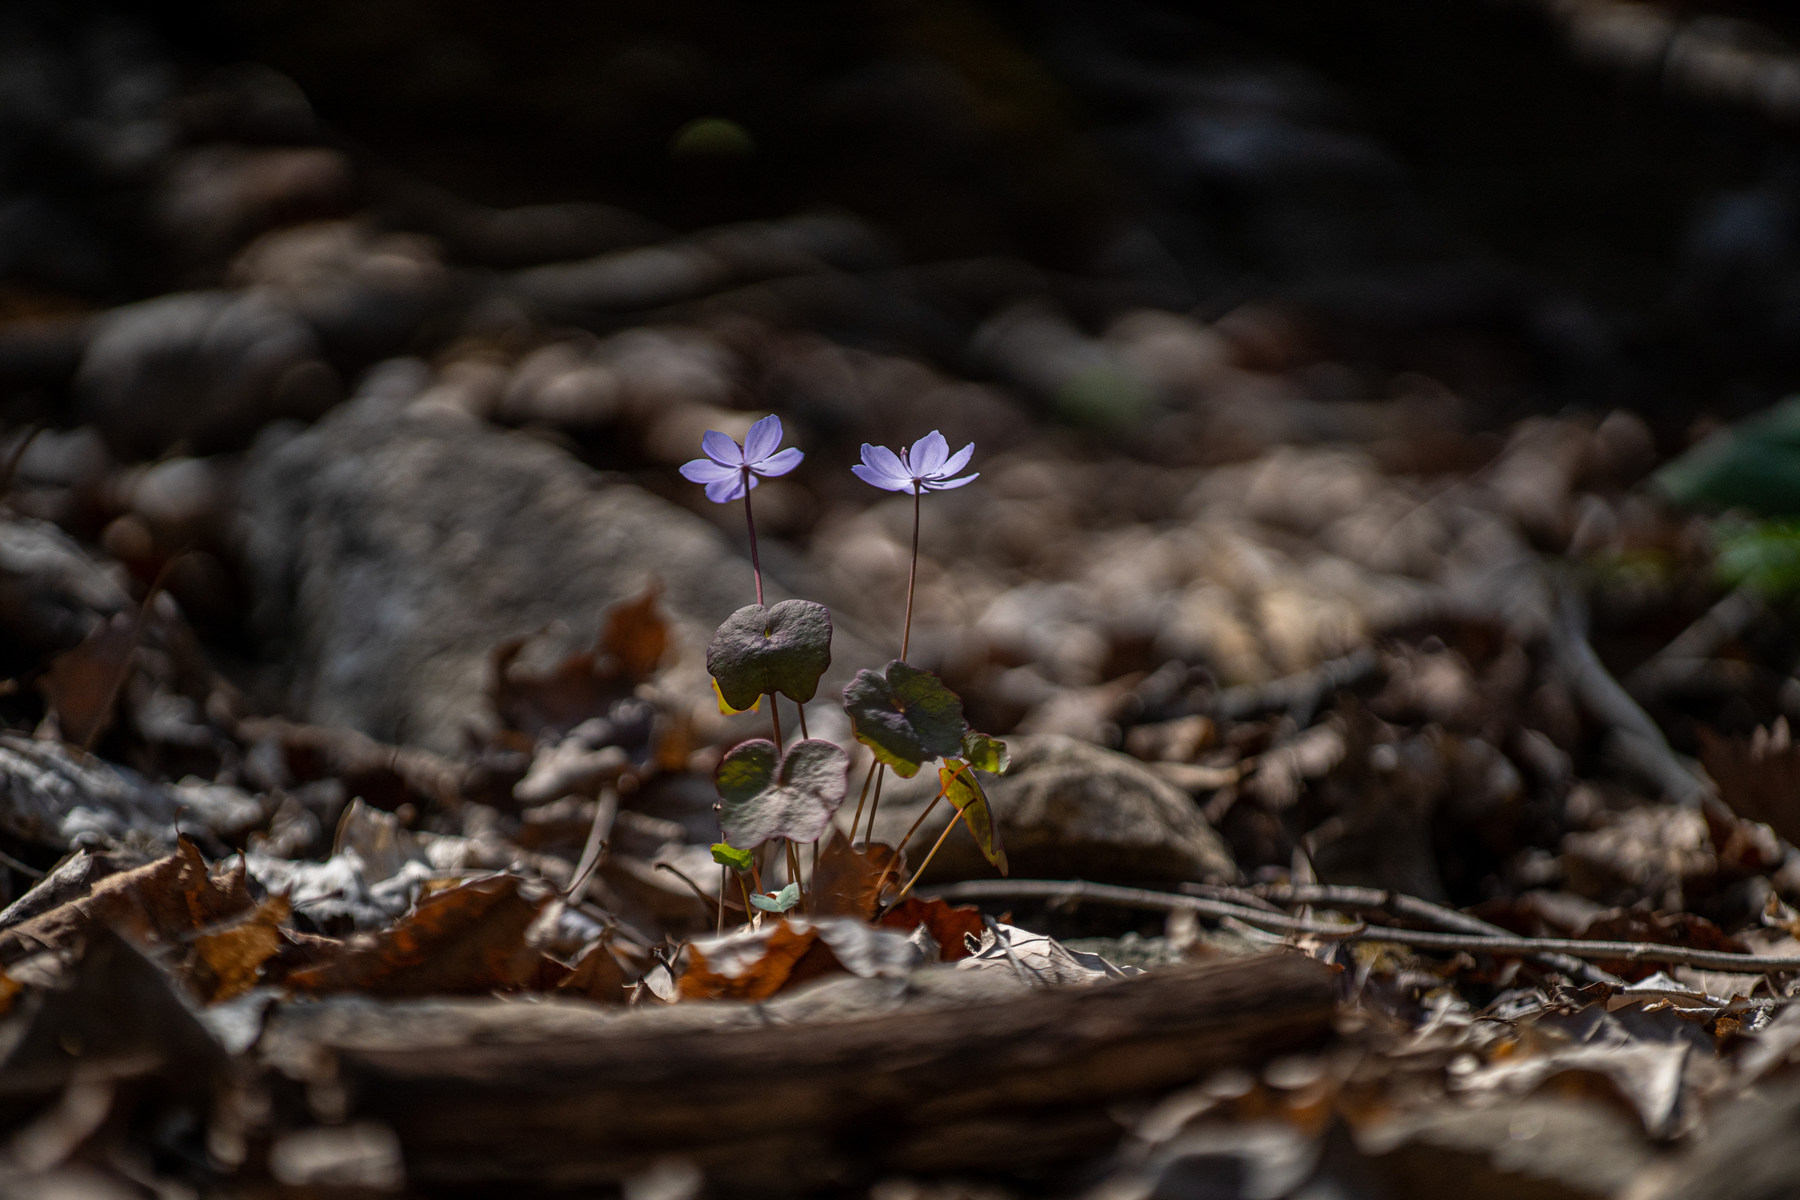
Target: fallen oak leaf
<point>747,964</point>
<point>162,902</point>
<point>759,651</point>
<point>469,938</point>
<point>769,794</point>
<point>596,975</point>
<point>228,962</point>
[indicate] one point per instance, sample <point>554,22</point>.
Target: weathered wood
<point>794,1107</point>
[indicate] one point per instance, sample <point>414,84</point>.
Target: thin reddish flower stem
<point>749,520</point>
<point>912,572</point>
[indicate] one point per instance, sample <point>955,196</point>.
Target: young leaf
<point>962,790</point>
<point>780,902</point>
<point>727,855</point>
<point>768,794</point>
<point>783,648</point>
<point>906,716</point>
<point>985,753</point>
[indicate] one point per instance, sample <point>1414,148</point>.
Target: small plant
<point>776,793</point>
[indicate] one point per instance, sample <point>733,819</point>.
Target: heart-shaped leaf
<point>779,902</point>
<point>906,716</point>
<point>962,790</point>
<point>727,855</point>
<point>725,710</point>
<point>783,648</point>
<point>768,794</point>
<point>985,753</point>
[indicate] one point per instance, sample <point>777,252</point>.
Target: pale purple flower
<point>927,467</point>
<point>730,470</point>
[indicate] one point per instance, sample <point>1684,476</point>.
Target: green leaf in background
<point>1755,464</point>
<point>768,794</point>
<point>986,753</point>
<point>780,902</point>
<point>906,716</point>
<point>783,648</point>
<point>727,855</point>
<point>963,790</point>
<point>1764,557</point>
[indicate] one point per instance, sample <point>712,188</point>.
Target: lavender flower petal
<point>705,470</point>
<point>721,449</point>
<point>778,464</point>
<point>763,439</point>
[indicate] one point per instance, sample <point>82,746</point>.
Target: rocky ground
<point>1400,793</point>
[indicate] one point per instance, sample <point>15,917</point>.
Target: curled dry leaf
<point>596,975</point>
<point>465,939</point>
<point>746,965</point>
<point>163,902</point>
<point>586,684</point>
<point>790,796</point>
<point>759,651</point>
<point>906,716</point>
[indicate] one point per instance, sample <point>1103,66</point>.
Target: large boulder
<point>1068,809</point>
<point>392,546</point>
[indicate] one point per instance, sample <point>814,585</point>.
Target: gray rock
<point>393,549</point>
<point>202,369</point>
<point>1069,809</point>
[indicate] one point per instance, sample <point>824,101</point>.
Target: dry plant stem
<point>1449,919</point>
<point>935,846</point>
<point>1105,893</point>
<point>692,886</point>
<point>889,869</point>
<point>606,811</point>
<point>750,523</point>
<point>862,796</point>
<point>8,860</point>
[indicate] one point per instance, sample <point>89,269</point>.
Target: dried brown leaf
<point>636,635</point>
<point>82,684</point>
<point>1758,777</point>
<point>848,882</point>
<point>228,962</point>
<point>165,901</point>
<point>464,939</point>
<point>946,923</point>
<point>596,975</point>
<point>747,965</point>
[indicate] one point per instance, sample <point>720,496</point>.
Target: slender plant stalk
<point>745,889</point>
<point>724,883</point>
<point>775,718</point>
<point>912,572</point>
<point>935,847</point>
<point>802,709</point>
<point>901,848</point>
<point>864,795</point>
<point>750,521</point>
<point>793,861</point>
<point>874,802</point>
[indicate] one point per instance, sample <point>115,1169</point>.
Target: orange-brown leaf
<point>946,923</point>
<point>636,635</point>
<point>749,965</point>
<point>596,975</point>
<point>229,961</point>
<point>465,939</point>
<point>848,882</point>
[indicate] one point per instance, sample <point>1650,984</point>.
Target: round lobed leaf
<point>769,795</point>
<point>906,716</point>
<point>783,648</point>
<point>780,902</point>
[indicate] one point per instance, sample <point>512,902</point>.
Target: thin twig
<point>8,860</point>
<point>1106,893</point>
<point>1446,918</point>
<point>692,886</point>
<point>605,812</point>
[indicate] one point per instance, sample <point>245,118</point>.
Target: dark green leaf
<point>770,795</point>
<point>986,753</point>
<point>783,648</point>
<point>962,789</point>
<point>906,716</point>
<point>781,901</point>
<point>727,855</point>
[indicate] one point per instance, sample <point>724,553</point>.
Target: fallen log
<point>1012,1086</point>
